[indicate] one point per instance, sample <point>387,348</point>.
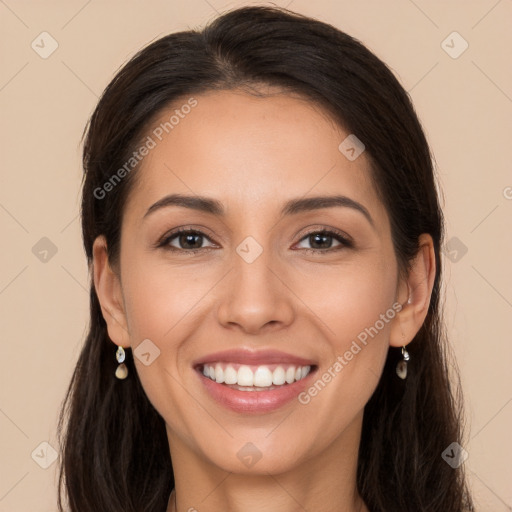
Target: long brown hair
<point>115,454</point>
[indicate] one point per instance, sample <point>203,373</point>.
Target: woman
<point>263,232</point>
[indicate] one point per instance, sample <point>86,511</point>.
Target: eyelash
<point>339,236</point>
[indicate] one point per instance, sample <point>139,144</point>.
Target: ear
<point>108,288</point>
<point>414,294</point>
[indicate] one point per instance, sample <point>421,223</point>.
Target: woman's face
<point>259,278</point>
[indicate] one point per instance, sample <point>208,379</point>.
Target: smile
<point>258,383</point>
<point>254,378</point>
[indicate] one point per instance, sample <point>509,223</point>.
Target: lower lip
<point>254,402</point>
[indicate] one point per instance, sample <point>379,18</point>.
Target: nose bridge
<point>252,263</point>
<point>253,256</point>
<point>254,295</point>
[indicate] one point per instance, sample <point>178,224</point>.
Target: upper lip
<point>253,357</point>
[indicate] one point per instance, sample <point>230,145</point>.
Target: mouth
<point>252,383</point>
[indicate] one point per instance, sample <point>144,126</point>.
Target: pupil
<point>319,236</point>
<point>189,238</point>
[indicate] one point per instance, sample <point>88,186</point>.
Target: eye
<point>191,241</point>
<point>184,240</point>
<point>321,241</point>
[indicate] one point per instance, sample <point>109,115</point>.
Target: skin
<point>253,154</point>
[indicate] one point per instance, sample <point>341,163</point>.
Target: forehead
<point>248,151</point>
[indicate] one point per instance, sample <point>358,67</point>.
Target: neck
<point>325,482</point>
<point>357,506</point>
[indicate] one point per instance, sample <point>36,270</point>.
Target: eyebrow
<point>291,207</point>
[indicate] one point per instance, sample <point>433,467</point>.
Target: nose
<point>255,297</point>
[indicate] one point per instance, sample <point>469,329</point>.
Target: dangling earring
<point>401,367</point>
<point>122,370</point>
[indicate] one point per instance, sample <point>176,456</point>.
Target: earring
<point>122,370</point>
<point>401,367</point>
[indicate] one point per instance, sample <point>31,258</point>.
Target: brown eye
<point>190,240</point>
<point>322,241</point>
<point>185,240</point>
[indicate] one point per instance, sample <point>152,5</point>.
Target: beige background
<point>465,105</point>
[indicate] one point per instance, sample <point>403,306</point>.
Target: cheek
<point>350,298</point>
<point>355,306</point>
<point>160,306</point>
<point>158,298</point>
<point>166,305</point>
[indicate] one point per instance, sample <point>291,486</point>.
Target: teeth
<point>245,376</point>
<point>219,373</point>
<point>278,377</point>
<point>261,377</point>
<point>230,375</point>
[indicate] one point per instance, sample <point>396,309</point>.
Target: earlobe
<point>415,294</point>
<point>108,290</point>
